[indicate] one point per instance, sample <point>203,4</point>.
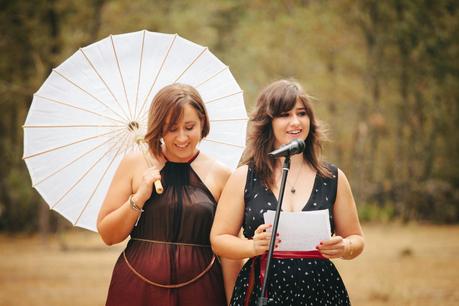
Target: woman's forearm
<point>230,268</point>
<point>117,225</point>
<point>232,247</point>
<point>354,246</point>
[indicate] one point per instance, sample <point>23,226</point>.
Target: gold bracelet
<point>134,205</point>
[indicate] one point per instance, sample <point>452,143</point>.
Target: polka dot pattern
<point>292,281</point>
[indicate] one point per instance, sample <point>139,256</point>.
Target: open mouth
<point>295,132</point>
<point>183,146</point>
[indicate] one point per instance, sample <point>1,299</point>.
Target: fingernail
<point>317,247</point>
<point>321,243</point>
<point>277,234</point>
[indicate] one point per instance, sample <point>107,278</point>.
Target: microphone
<point>293,147</point>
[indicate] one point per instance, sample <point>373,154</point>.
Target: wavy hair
<point>277,98</point>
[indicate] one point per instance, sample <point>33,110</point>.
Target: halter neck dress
<point>168,260</point>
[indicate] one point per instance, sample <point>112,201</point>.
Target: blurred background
<point>385,78</point>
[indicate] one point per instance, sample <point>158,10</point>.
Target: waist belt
<point>171,286</point>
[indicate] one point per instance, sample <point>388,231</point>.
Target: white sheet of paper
<point>301,231</point>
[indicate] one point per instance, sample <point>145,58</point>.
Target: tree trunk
<point>54,49</point>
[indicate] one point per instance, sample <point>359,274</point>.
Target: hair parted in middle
<point>277,98</point>
<point>167,109</point>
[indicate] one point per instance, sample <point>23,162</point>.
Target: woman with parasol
<point>168,260</point>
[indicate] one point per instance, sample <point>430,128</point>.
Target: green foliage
<point>384,75</point>
<point>371,212</point>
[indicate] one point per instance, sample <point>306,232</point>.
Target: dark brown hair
<point>277,98</point>
<point>167,108</point>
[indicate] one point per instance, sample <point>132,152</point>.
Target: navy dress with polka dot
<point>303,281</point>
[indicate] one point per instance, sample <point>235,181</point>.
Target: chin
<point>185,155</point>
<point>301,137</point>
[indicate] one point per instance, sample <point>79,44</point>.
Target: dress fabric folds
<point>292,281</point>
<point>168,260</point>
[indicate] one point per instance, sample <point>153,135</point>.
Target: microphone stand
<point>262,300</point>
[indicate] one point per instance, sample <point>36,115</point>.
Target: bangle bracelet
<point>134,205</point>
<point>347,248</point>
<point>351,250</point>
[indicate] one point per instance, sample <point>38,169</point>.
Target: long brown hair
<point>277,98</point>
<point>167,108</point>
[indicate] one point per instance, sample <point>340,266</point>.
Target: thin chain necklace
<point>292,187</point>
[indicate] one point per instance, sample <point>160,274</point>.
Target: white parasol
<point>93,108</point>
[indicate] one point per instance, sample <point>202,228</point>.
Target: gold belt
<point>209,266</point>
<point>174,243</point>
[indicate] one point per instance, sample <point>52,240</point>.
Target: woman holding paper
<point>168,260</point>
<point>284,112</point>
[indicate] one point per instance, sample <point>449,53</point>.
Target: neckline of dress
<point>180,163</point>
<point>310,198</point>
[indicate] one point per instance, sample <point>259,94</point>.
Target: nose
<point>182,136</point>
<point>295,120</point>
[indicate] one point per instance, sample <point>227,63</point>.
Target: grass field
<point>401,265</point>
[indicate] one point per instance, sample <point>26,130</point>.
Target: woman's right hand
<point>145,189</point>
<point>150,175</point>
<point>261,239</point>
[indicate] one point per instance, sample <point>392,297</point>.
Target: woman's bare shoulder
<point>133,161</point>
<point>213,167</point>
<point>133,157</point>
<point>240,174</point>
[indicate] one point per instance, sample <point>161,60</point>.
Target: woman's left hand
<point>333,248</point>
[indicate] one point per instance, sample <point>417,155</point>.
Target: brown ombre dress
<point>168,260</point>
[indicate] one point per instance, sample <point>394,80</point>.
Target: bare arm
<point>348,241</point>
<point>116,217</point>
<point>228,221</point>
<point>230,268</point>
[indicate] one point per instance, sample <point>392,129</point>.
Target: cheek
<point>197,136</point>
<point>166,139</point>
<point>277,124</point>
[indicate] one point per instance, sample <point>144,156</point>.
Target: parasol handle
<point>158,187</point>
<point>141,142</point>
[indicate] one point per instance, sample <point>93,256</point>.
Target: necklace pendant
<point>293,190</point>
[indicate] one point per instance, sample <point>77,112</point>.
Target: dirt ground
<point>401,265</point>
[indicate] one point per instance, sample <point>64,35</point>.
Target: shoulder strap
<point>332,181</point>
<point>249,182</point>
